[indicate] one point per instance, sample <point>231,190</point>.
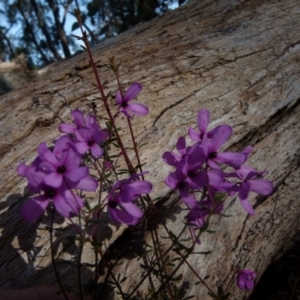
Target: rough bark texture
<point>240,59</point>
<point>15,74</point>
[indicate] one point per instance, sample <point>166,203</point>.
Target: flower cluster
<point>54,174</point>
<point>57,172</point>
<point>87,134</point>
<point>200,167</point>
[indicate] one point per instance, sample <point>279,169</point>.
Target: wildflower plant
<point>81,161</point>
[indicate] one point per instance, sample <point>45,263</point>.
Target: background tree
<point>40,28</point>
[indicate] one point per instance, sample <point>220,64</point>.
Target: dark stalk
<point>150,270</point>
<point>101,91</point>
<point>53,258</point>
<point>79,269</point>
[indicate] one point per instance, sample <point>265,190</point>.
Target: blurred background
<point>42,30</point>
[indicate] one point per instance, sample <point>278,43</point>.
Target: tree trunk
<point>240,60</point>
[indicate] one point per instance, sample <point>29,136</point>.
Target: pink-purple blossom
<point>122,197</point>
<point>63,163</point>
<point>200,168</point>
<point>135,108</point>
<point>65,201</point>
<point>80,121</point>
<point>202,121</point>
<point>89,139</point>
<point>87,134</point>
<point>250,182</point>
<point>245,279</point>
<point>211,148</point>
<point>171,158</point>
<point>54,175</point>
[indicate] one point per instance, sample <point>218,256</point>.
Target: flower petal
<point>197,181</point>
<point>194,135</point>
<point>67,128</point>
<point>215,177</point>
<point>248,207</point>
<point>49,158</point>
<point>181,145</point>
<point>233,159</point>
<point>72,158</point>
<point>262,187</point>
<point>78,118</point>
<point>34,207</point>
<point>132,91</point>
<point>138,109</point>
<point>196,158</point>
<point>244,190</point>
<point>132,209</point>
<point>68,205</point>
<point>140,187</point>
<point>125,112</point>
<point>119,98</point>
<point>82,147</point>
<point>87,183</point>
<point>221,134</point>
<point>61,147</point>
<point>76,174</point>
<point>42,148</point>
<point>53,180</point>
<point>188,199</point>
<point>171,158</point>
<point>21,169</point>
<point>96,151</point>
<point>83,134</point>
<point>203,120</point>
<point>122,216</point>
<point>90,120</point>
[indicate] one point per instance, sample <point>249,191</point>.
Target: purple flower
<point>79,121</point>
<point>244,279</point>
<point>34,174</point>
<point>126,107</point>
<point>211,146</point>
<point>66,202</point>
<point>189,176</point>
<point>63,163</point>
<point>121,197</point>
<point>251,183</point>
<point>171,158</point>
<point>89,139</point>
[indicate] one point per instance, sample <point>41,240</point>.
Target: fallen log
<point>240,60</point>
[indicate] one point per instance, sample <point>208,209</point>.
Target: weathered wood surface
<point>240,59</point>
<point>15,74</point>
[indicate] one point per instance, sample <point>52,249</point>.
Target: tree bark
<point>240,60</point>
